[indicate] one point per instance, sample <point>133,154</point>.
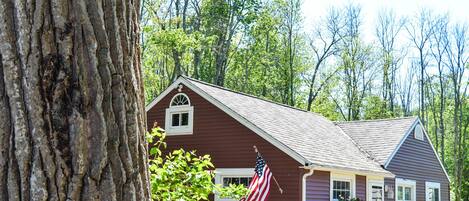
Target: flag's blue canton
<point>260,163</point>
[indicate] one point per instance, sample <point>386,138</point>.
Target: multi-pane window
<point>179,116</point>
<point>341,190</point>
<point>404,193</point>
<point>376,193</point>
<point>432,191</point>
<point>180,99</point>
<point>226,176</point>
<point>236,180</point>
<point>180,119</point>
<point>405,189</point>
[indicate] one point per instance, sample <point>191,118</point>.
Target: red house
<point>312,157</point>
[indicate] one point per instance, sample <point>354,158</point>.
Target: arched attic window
<point>180,99</point>
<point>418,132</point>
<point>179,116</point>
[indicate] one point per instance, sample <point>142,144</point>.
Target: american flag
<point>260,184</point>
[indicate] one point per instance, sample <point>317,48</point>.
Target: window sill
<point>172,133</point>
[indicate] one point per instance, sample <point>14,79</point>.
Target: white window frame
<point>420,129</point>
<point>179,130</point>
<point>374,182</point>
<point>220,173</point>
<point>406,183</point>
<point>342,177</point>
<point>432,185</point>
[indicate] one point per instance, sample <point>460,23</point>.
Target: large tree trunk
<point>71,101</point>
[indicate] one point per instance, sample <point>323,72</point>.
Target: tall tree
<point>224,18</point>
<point>325,43</point>
<point>439,47</point>
<point>387,30</point>
<point>71,108</point>
<point>405,88</point>
<point>420,30</point>
<point>458,61</point>
<point>356,62</point>
<point>291,15</point>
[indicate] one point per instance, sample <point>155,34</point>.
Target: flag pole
<point>273,177</point>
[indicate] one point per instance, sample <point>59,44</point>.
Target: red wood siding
<point>360,183</point>
<point>230,144</point>
<point>318,186</point>
<point>416,160</point>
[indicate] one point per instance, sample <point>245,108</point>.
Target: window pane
<point>436,194</point>
<point>226,181</point>
<point>185,119</point>
<point>244,181</point>
<point>400,193</point>
<point>407,193</point>
<point>341,190</point>
<point>235,181</point>
<point>376,193</point>
<point>347,195</point>
<point>175,120</point>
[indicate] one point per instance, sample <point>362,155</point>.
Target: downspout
<point>311,171</point>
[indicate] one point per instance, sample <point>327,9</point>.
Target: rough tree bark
<point>71,101</point>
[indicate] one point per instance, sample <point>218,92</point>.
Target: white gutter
<point>349,170</point>
<point>311,171</point>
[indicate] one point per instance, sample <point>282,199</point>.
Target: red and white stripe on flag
<point>259,187</point>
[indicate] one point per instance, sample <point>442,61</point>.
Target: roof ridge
<point>375,120</point>
<point>246,94</point>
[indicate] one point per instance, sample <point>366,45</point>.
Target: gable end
<point>410,132</point>
<point>234,115</point>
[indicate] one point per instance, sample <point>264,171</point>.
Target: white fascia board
<point>174,85</point>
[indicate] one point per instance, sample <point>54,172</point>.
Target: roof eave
<point>331,168</point>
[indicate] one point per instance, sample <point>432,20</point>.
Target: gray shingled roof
<point>379,138</point>
<point>312,136</point>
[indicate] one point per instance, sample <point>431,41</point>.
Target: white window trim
<point>429,185</point>
<point>406,183</point>
<point>374,182</point>
<point>179,130</point>
<point>230,172</point>
<point>342,177</point>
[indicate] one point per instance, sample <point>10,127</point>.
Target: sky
<point>313,9</point>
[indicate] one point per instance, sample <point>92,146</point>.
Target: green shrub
<point>183,175</point>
